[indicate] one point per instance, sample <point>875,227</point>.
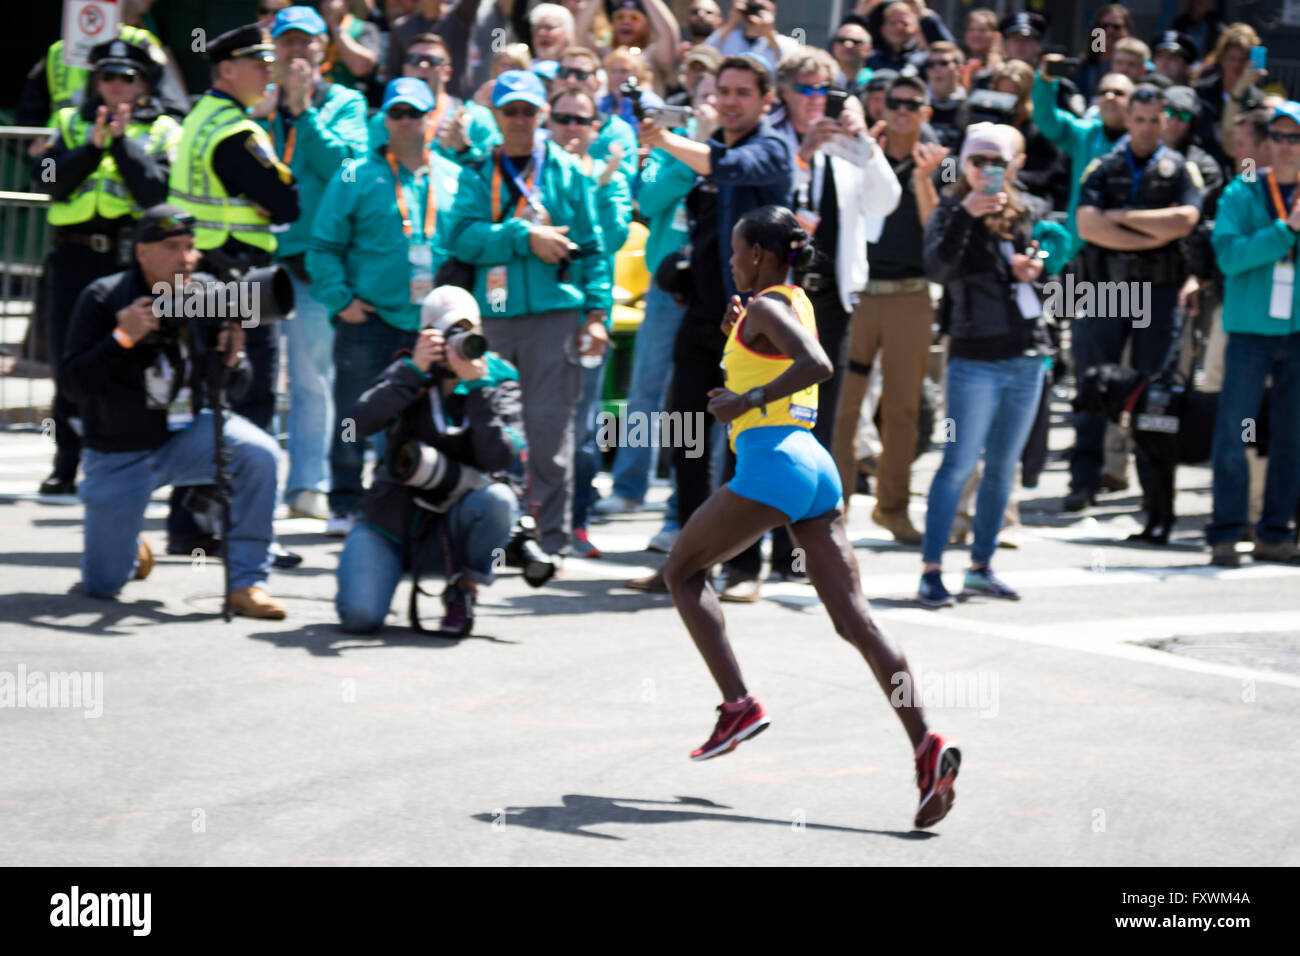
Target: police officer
<point>1022,38</point>
<point>228,177</point>
<point>53,85</point>
<point>1135,204</point>
<point>108,161</point>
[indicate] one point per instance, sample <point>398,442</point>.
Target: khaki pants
<point>896,330</point>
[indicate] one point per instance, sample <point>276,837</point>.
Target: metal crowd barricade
<point>24,241</point>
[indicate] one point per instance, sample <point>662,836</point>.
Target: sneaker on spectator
<point>458,603</point>
<point>1224,555</point>
<point>339,524</point>
<point>309,504</point>
<point>1283,552</point>
<point>582,545</point>
<point>616,504</point>
<point>932,593</point>
<point>984,581</point>
<point>664,539</point>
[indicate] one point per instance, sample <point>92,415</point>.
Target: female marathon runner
<point>773,363</point>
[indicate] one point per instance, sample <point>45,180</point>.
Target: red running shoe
<point>732,729</point>
<point>936,769</point>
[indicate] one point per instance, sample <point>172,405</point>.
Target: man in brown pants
<point>892,321</point>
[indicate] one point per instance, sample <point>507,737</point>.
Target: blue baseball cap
<point>305,19</point>
<point>519,85</point>
<point>409,90</point>
<point>1290,109</point>
<point>546,68</point>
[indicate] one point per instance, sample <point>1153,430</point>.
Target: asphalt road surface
<point>1137,707</point>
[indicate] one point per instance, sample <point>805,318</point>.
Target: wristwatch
<point>754,398</point>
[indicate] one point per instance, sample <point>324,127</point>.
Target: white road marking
<point>1110,637</point>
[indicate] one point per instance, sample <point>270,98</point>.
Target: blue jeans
<point>310,345</point>
<point>992,406</point>
<point>361,353</point>
<point>1248,361</point>
<point>370,566</point>
<point>651,369</point>
<point>1098,339</point>
<point>586,456</point>
<point>118,484</point>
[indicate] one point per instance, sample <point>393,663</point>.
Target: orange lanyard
<point>498,186</point>
<point>431,131</point>
<point>1277,195</point>
<point>332,53</point>
<point>289,143</point>
<point>430,201</point>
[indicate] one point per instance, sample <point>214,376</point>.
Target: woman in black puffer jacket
<point>978,243</point>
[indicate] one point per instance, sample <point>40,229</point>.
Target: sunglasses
<point>424,59</point>
<point>1278,137</point>
<point>992,162</point>
<point>850,41</point>
<point>935,64</point>
<point>514,110</point>
<point>894,103</point>
<point>116,77</point>
<point>1182,115</point>
<point>571,119</point>
<point>401,112</point>
<point>1113,26</point>
<point>1145,96</point>
<point>805,89</point>
<point>571,73</point>
<point>182,221</point>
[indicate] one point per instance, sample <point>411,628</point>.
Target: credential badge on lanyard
<point>1282,299</point>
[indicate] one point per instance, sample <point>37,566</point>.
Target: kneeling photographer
<point>139,381</point>
<point>454,418</point>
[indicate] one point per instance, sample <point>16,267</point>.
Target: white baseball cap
<point>446,305</point>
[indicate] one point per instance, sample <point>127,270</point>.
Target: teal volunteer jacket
<point>358,248</point>
<point>531,285</point>
<point>330,131</point>
<point>1249,240</point>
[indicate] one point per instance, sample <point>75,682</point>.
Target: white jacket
<point>866,194</point>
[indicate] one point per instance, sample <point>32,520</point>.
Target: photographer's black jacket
<point>984,321</point>
<point>485,431</point>
<point>107,382</point>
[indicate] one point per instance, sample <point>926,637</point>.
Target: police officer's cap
<point>119,56</point>
<point>1023,24</point>
<point>1183,98</point>
<point>1171,41</point>
<point>242,42</point>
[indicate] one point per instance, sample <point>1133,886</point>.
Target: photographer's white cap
<point>446,305</point>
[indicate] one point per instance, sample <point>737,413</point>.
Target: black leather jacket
<point>984,319</point>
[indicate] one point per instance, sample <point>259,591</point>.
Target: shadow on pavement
<point>34,610</point>
<point>329,640</point>
<point>583,596</point>
<point>580,811</point>
<point>38,559</point>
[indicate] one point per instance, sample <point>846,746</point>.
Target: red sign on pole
<point>85,24</point>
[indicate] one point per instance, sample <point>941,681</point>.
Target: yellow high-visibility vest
<point>103,192</point>
<point>196,188</point>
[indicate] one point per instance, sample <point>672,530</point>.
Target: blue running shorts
<point>785,467</point>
